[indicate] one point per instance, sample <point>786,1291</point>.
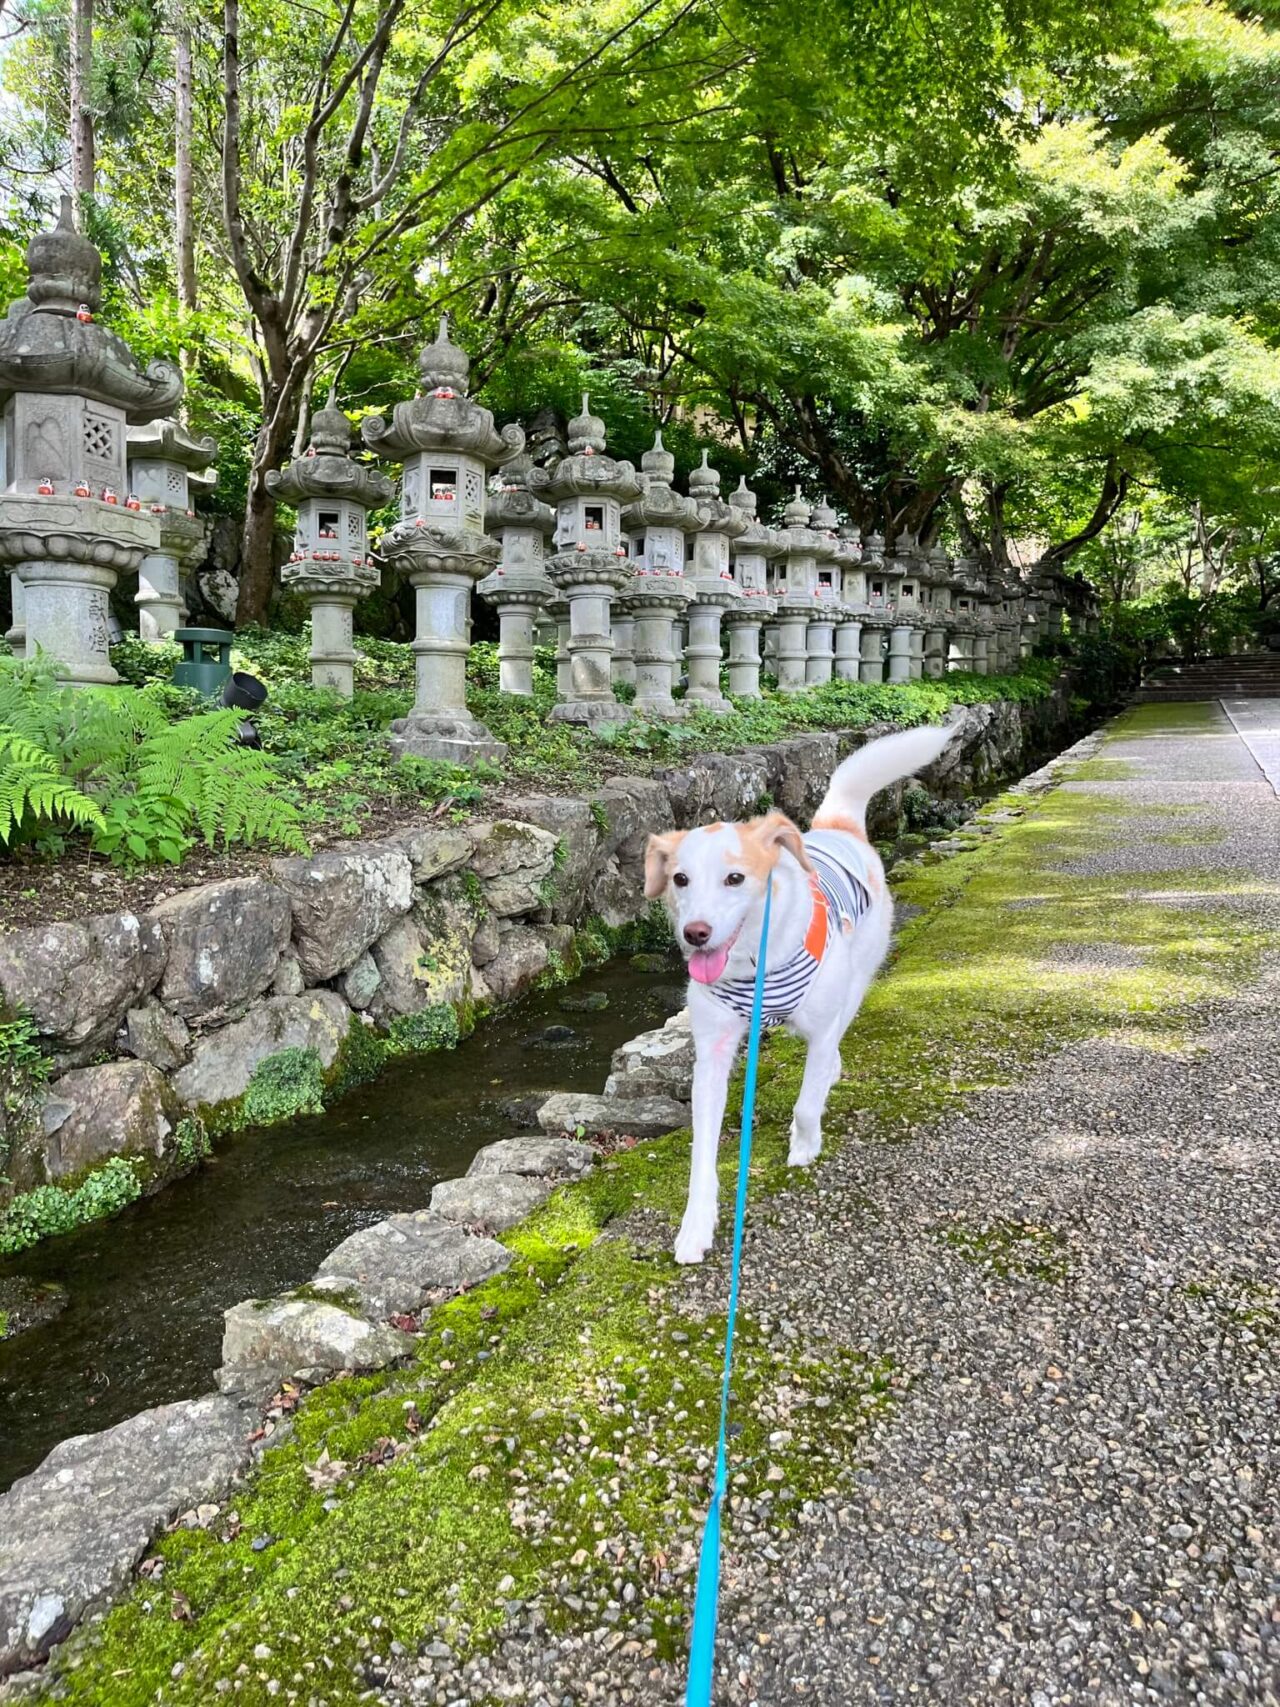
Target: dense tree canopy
<point>1004,272</point>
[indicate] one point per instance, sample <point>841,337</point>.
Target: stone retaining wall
<point>249,1000</point>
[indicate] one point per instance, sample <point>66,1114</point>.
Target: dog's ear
<point>776,832</point>
<point>658,856</point>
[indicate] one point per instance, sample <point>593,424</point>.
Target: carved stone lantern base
<point>871,664</point>
<point>656,601</point>
<point>714,600</point>
<point>848,636</point>
<point>331,600</point>
<point>457,738</point>
<point>590,580</point>
<point>820,648</point>
<point>899,669</point>
<point>518,596</point>
<point>743,623</point>
<point>792,657</point>
<point>935,653</point>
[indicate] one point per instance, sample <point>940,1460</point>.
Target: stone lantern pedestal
<point>448,445</point>
<point>656,602</point>
<point>820,643</point>
<point>589,568</point>
<point>899,662</point>
<point>16,635</point>
<point>743,622</point>
<point>848,646</point>
<point>165,463</point>
<point>712,603</point>
<point>518,588</point>
<point>558,612</point>
<point>871,664</point>
<point>330,566</point>
<point>623,667</point>
<point>791,621</point>
<point>69,390</point>
<point>960,644</point>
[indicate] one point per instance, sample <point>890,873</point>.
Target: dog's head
<point>713,883</point>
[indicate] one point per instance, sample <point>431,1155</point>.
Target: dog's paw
<point>694,1240</point>
<point>805,1148</point>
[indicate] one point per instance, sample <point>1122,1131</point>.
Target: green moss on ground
<point>517,1445</point>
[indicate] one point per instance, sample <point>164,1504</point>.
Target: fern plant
<point>33,790</point>
<point>111,761</point>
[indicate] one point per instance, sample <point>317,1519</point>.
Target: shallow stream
<point>146,1291</point>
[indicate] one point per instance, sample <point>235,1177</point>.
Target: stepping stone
<point>266,1339</point>
<point>396,1265</point>
<point>543,1158</point>
<point>72,1531</point>
<point>498,1201</point>
<point>642,1117</point>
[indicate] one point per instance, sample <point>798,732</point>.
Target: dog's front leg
<point>716,1035</point>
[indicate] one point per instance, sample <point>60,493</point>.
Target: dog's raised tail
<point>874,767</point>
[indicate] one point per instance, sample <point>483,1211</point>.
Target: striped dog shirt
<point>840,891</point>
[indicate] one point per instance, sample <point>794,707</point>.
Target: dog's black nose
<point>698,934</point>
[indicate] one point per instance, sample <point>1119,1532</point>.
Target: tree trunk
<point>83,169</point>
<point>257,566</point>
<point>184,218</point>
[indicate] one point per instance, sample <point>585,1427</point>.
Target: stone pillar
<point>960,647</point>
<point>679,650</point>
<point>558,610</point>
<point>330,566</point>
<point>518,588</point>
<point>743,622</point>
<point>590,565</point>
<point>16,636</point>
<point>448,444</point>
<point>871,667</point>
<point>69,389</point>
<point>716,592</point>
<point>658,522</point>
<point>165,462</point>
<point>848,638</point>
<point>900,652</point>
<point>793,646</point>
<point>820,648</point>
<point>917,652</point>
<point>624,632</point>
<point>980,665</point>
<point>935,651</point>
<point>656,601</point>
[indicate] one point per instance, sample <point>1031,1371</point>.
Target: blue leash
<point>706,1603</point>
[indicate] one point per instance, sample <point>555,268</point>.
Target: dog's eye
<point>735,878</point>
<point>681,880</point>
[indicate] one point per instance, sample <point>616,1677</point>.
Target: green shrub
<point>284,1086</point>
<point>435,1027</point>
<point>191,1141</point>
<point>24,1072</point>
<point>50,1210</point>
<point>138,661</point>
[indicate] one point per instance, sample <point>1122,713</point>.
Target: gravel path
<point>1078,1281</point>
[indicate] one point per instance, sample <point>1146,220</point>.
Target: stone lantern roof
<point>587,471</point>
<point>657,504</point>
<point>326,470</point>
<point>515,503</point>
<point>51,344</point>
<point>170,441</point>
<point>443,417</point>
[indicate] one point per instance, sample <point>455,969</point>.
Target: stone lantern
<point>589,566</point>
<point>660,592</point>
<point>879,617</point>
<point>518,588</point>
<point>899,576</point>
<point>853,604</point>
<point>448,445</point>
<point>69,390</point>
<point>165,463</point>
<point>937,577</point>
<point>986,600</point>
<point>330,566</point>
<point>796,594</point>
<point>752,549</point>
<point>716,592</point>
<point>820,634</point>
<point>961,626</point>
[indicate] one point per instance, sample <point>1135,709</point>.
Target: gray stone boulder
<point>288,980</point>
<point>617,897</point>
<point>361,982</point>
<point>655,1064</point>
<point>72,1531</point>
<point>433,849</point>
<point>152,1033</point>
<point>224,944</point>
<point>632,808</point>
<point>77,981</point>
<point>266,1339</point>
<point>538,1157</point>
<point>637,1117</point>
<point>573,825</point>
<point>513,862</point>
<point>496,1201</point>
<point>728,786</point>
<point>523,955</point>
<point>397,1265</point>
<point>343,901</point>
<point>799,771</point>
<point>222,1064</point>
<point>122,1108</point>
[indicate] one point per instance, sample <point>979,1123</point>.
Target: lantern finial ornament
<point>586,431</point>
<point>442,366</point>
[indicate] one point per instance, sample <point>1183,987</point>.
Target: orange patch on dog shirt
<point>837,821</point>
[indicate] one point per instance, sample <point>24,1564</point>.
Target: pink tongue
<point>708,963</point>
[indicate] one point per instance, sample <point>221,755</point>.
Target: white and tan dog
<point>829,927</point>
